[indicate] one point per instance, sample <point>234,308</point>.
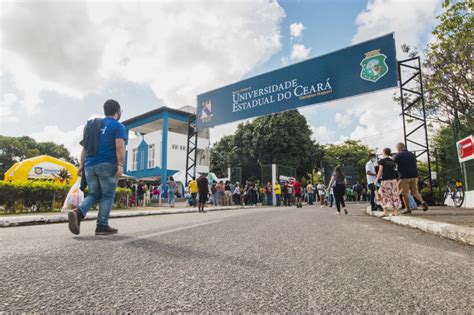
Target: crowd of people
<point>392,183</point>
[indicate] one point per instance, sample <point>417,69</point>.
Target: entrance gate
<point>363,68</point>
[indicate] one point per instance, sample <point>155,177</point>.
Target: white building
<point>157,144</point>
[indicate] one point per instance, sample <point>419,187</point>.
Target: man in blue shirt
<point>101,161</point>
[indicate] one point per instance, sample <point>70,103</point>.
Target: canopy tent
<point>40,167</point>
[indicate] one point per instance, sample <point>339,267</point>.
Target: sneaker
<point>105,230</point>
<point>425,206</point>
<point>406,212</point>
<point>338,212</point>
<point>75,217</point>
<point>345,211</point>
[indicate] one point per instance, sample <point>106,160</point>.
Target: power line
<point>380,133</point>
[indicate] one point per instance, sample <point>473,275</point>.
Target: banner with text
<point>366,67</point>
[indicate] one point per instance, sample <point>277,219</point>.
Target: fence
<point>281,170</point>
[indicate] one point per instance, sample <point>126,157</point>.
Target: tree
<point>449,64</point>
<point>16,149</point>
<point>444,151</point>
<point>349,153</point>
<point>282,138</point>
<point>447,67</point>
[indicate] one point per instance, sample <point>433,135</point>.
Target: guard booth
<point>157,144</point>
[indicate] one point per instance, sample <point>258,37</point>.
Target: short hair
<point>371,155</point>
<point>194,177</point>
<point>111,107</point>
<point>387,151</point>
<point>401,145</point>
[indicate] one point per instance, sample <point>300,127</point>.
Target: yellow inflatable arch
<point>40,167</point>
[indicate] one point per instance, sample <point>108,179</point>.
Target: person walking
<point>140,194</point>
<point>357,189</point>
<point>236,194</point>
<point>227,194</point>
<point>310,192</point>
<point>322,193</point>
<point>330,196</point>
<point>388,192</point>
<point>220,193</point>
<point>297,190</point>
<point>193,190</point>
<point>277,188</point>
<point>371,174</point>
<point>203,190</point>
<point>340,182</point>
<point>172,187</point>
<point>214,193</point>
<point>147,195</point>
<point>408,174</point>
<point>268,194</point>
<point>102,158</point>
<point>286,194</point>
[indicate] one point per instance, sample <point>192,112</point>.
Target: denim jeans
<point>102,182</point>
<point>372,197</point>
<point>171,197</point>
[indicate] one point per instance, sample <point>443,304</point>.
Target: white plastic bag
<point>74,196</point>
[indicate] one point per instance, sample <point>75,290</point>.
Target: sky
<point>60,60</point>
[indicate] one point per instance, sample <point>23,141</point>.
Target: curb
<point>454,232</point>
<point>58,218</point>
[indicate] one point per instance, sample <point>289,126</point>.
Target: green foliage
<point>42,196</point>
<point>448,79</point>
<point>447,67</point>
<point>282,138</point>
<point>13,149</point>
<point>445,158</point>
<point>36,195</point>
<point>121,195</point>
<point>350,152</point>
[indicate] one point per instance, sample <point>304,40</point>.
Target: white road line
<point>150,235</point>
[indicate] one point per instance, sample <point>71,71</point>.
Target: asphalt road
<point>255,260</point>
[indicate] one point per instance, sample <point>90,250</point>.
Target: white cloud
<point>408,19</point>
<point>322,134</point>
<point>7,107</point>
<point>379,122</point>
<point>178,48</point>
<point>299,52</point>
<point>218,132</point>
<point>70,138</point>
<point>296,29</point>
<point>344,120</point>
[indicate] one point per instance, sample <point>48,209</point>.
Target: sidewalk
<point>27,219</point>
<point>453,223</point>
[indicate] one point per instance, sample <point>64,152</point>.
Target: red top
<point>297,187</point>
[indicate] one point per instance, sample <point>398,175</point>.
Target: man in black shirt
<point>203,190</point>
<point>408,171</point>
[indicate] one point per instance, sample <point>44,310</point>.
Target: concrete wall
<point>177,144</point>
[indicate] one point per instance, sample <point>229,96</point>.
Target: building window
<point>142,160</point>
<point>151,156</point>
<point>134,159</point>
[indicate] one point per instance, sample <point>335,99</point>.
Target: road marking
<point>150,235</point>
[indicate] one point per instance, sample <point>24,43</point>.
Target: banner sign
<point>465,149</point>
<point>363,68</point>
<point>45,170</point>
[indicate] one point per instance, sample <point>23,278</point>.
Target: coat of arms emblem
<point>206,113</point>
<point>373,66</point>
